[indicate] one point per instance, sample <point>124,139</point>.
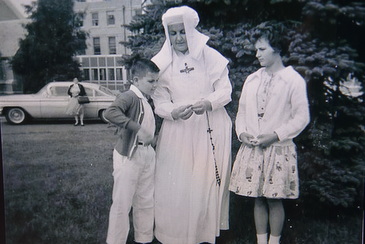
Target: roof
<point>13,9</point>
<point>10,33</point>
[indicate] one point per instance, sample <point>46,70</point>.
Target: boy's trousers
<point>133,188</point>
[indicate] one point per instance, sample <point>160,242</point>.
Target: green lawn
<point>58,188</point>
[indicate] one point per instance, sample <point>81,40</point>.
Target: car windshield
<point>42,90</point>
<point>106,90</point>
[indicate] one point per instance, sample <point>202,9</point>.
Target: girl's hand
<point>247,139</point>
<point>265,140</point>
<point>182,112</point>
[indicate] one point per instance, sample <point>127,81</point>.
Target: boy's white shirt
<point>148,122</point>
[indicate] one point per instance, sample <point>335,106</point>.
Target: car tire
<point>15,116</point>
<point>102,116</point>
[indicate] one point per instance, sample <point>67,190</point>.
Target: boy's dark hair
<point>141,66</point>
<point>138,66</point>
<point>274,32</point>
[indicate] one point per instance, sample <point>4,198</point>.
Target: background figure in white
<point>73,107</point>
<point>273,109</point>
<point>193,89</point>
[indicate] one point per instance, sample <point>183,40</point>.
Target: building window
<point>2,70</point>
<point>102,74</point>
<point>112,45</point>
<point>138,11</point>
<point>85,62</point>
<point>93,62</point>
<point>79,19</point>
<point>86,74</point>
<point>95,74</point>
<point>119,74</point>
<point>110,17</point>
<point>95,19</point>
<point>111,75</point>
<point>110,61</point>
<point>96,44</point>
<point>102,62</point>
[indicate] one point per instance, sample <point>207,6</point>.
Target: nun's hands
<point>202,106</point>
<point>182,112</point>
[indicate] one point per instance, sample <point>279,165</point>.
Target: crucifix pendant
<point>187,69</point>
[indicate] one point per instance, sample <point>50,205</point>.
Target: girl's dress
<point>73,106</point>
<point>190,207</point>
<point>270,104</point>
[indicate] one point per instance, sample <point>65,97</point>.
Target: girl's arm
<point>299,118</point>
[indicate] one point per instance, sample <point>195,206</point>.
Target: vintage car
<point>51,102</point>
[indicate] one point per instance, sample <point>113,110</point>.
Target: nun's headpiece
<point>196,40</point>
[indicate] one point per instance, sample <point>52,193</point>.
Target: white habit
<point>190,207</point>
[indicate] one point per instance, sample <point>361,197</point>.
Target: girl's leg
<point>76,120</point>
<point>276,219</point>
<point>261,238</point>
<point>261,219</point>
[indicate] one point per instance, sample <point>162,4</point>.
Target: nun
<point>194,146</point>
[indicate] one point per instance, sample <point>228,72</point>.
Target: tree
<point>54,37</point>
<point>327,54</point>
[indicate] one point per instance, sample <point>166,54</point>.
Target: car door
<point>91,109</point>
<point>104,100</point>
<point>55,102</point>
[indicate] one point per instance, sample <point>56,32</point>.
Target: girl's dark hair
<point>274,32</point>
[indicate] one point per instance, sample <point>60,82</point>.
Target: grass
<point>58,187</point>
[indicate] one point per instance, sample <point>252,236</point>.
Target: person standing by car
<point>73,107</point>
<point>134,157</point>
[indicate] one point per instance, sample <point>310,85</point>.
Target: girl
<point>273,109</point>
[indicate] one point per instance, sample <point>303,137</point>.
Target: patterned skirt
<point>271,172</point>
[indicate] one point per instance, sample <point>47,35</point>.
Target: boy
<point>134,157</point>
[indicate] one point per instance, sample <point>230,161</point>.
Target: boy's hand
<point>145,137</point>
<point>182,112</point>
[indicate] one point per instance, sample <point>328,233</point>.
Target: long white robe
<point>190,207</point>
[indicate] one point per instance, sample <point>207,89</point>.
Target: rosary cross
<point>187,69</point>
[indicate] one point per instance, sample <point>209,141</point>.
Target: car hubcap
<point>17,115</point>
